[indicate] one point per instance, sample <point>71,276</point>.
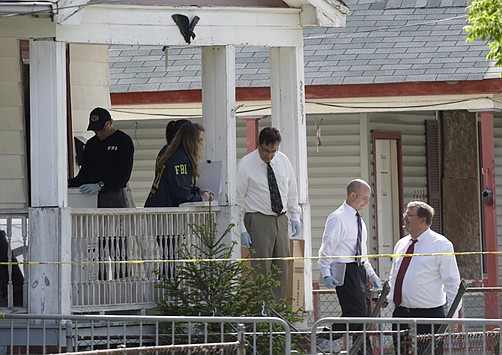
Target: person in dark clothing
<point>107,162</point>
<point>106,169</point>
<point>16,276</point>
<point>177,168</point>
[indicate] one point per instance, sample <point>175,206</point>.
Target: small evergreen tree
<point>212,283</point>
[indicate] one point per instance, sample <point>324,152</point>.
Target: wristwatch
<point>101,184</point>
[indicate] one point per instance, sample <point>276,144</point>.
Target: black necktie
<point>398,287</point>
<point>359,237</point>
<point>275,195</point>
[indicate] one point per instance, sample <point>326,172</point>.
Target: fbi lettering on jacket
<point>181,169</point>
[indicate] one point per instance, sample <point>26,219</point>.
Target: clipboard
<point>338,271</point>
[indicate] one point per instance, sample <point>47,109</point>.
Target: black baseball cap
<point>97,119</point>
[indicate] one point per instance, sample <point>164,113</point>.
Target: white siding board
<point>13,186</point>
<point>9,62</point>
<point>15,164</point>
<point>11,142</point>
<point>12,193</point>
<point>8,95</point>
<point>9,118</point>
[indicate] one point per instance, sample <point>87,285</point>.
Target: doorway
<point>388,192</point>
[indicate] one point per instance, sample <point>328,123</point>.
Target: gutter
<point>35,8</point>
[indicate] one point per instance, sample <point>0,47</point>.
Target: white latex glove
<point>246,240</point>
<point>377,283</point>
<point>331,282</point>
<point>90,188</point>
<point>296,227</point>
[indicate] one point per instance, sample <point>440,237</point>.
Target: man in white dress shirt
<point>343,228</point>
<point>262,229</point>
<point>429,281</point>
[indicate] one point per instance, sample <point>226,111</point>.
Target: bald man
<point>345,235</point>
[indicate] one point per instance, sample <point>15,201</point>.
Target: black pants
<point>112,199</point>
<point>406,344</point>
<point>355,300</point>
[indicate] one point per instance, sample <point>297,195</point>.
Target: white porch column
<point>288,115</point>
<point>49,284</point>
<point>218,110</point>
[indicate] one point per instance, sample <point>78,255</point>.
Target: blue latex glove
<point>377,284</point>
<point>90,188</point>
<point>331,282</point>
<point>246,240</point>
<point>296,227</point>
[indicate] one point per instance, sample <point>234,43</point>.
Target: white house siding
<point>90,82</point>
<point>13,176</point>
<point>337,161</point>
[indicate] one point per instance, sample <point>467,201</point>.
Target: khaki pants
<point>270,239</point>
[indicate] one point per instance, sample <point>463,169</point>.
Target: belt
<point>406,309</point>
<point>270,215</point>
<point>355,263</point>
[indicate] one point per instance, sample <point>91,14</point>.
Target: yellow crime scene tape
<point>291,258</point>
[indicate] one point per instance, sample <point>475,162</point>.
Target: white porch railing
<point>115,252</point>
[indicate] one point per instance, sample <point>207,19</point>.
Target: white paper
<point>210,177</point>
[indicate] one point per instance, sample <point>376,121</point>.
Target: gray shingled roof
<point>384,42</point>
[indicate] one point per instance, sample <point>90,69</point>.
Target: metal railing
<point>43,334</point>
<point>400,336</point>
<point>94,334</point>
